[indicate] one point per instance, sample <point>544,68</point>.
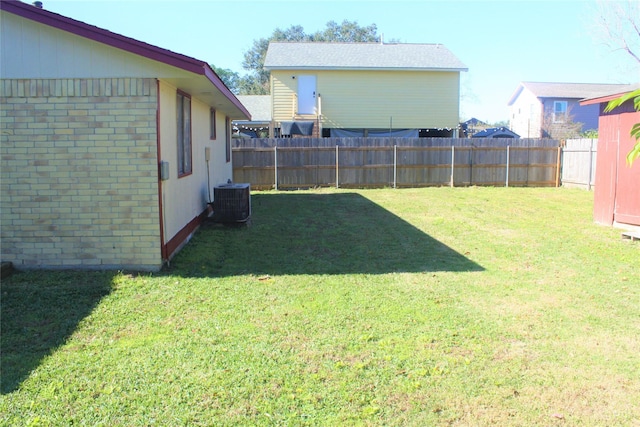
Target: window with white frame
<point>183,118</point>
<point>559,111</point>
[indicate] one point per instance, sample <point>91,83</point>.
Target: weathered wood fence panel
<point>579,163</point>
<point>394,162</point>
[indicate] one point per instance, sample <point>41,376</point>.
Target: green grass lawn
<point>412,307</point>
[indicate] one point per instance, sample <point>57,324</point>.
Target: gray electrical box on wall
<point>164,171</point>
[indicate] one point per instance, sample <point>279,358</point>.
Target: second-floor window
<point>559,111</point>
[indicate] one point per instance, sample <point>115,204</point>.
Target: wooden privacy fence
<point>579,163</point>
<point>395,162</point>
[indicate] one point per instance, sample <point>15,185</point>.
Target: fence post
<point>395,165</point>
<point>590,164</point>
<point>337,168</point>
<point>507,178</point>
<point>275,165</point>
<point>528,164</point>
<point>558,162</point>
<point>452,164</point>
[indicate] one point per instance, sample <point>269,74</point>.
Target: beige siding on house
<point>185,198</point>
<point>283,91</point>
<point>33,50</point>
<point>372,99</point>
<point>79,173</point>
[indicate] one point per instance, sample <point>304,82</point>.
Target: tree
<point>619,27</point>
<point>347,32</point>
<point>228,77</point>
<point>257,81</point>
<point>560,127</point>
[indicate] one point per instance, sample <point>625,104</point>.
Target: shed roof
<point>81,29</point>
<point>361,56</point>
<point>610,96</point>
<point>568,90</point>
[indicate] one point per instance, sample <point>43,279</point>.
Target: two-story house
<point>553,110</point>
<point>359,89</point>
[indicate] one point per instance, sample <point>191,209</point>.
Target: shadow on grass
<point>293,233</point>
<point>40,311</point>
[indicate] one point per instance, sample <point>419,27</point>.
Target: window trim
<point>212,124</point>
<point>185,152</point>
<point>560,117</point>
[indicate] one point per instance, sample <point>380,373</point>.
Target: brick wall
<point>79,173</point>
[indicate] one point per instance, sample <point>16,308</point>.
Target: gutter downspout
<point>163,246</point>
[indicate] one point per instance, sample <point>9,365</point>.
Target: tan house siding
<point>188,195</point>
<point>79,173</point>
<point>283,92</point>
<point>364,99</point>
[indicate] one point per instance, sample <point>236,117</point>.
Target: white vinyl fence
<point>579,163</point>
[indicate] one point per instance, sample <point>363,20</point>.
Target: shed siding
<point>371,99</point>
<point>616,196</point>
<point>79,173</point>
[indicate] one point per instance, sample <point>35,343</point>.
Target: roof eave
<point>515,95</point>
<point>607,98</point>
<point>118,41</point>
<point>324,68</point>
<point>224,90</point>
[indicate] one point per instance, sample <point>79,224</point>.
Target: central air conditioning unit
<point>232,202</point>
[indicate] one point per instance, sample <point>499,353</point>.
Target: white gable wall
<point>526,115</point>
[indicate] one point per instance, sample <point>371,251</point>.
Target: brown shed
<point>617,185</point>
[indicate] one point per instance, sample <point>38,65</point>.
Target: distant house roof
<point>258,105</point>
<point>567,90</point>
<point>496,133</point>
<point>118,41</point>
<point>474,122</point>
<point>361,56</point>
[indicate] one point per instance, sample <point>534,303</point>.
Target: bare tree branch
<point>618,26</point>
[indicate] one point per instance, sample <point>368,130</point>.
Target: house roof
<point>474,122</point>
<point>361,56</point>
<point>500,132</point>
<point>258,105</point>
<point>195,66</point>
<point>567,90</point>
<point>609,96</point>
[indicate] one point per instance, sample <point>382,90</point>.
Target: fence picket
<point>579,163</point>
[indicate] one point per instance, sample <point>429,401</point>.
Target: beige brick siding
<point>79,184</point>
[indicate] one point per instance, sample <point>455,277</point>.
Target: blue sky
<point>501,42</point>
